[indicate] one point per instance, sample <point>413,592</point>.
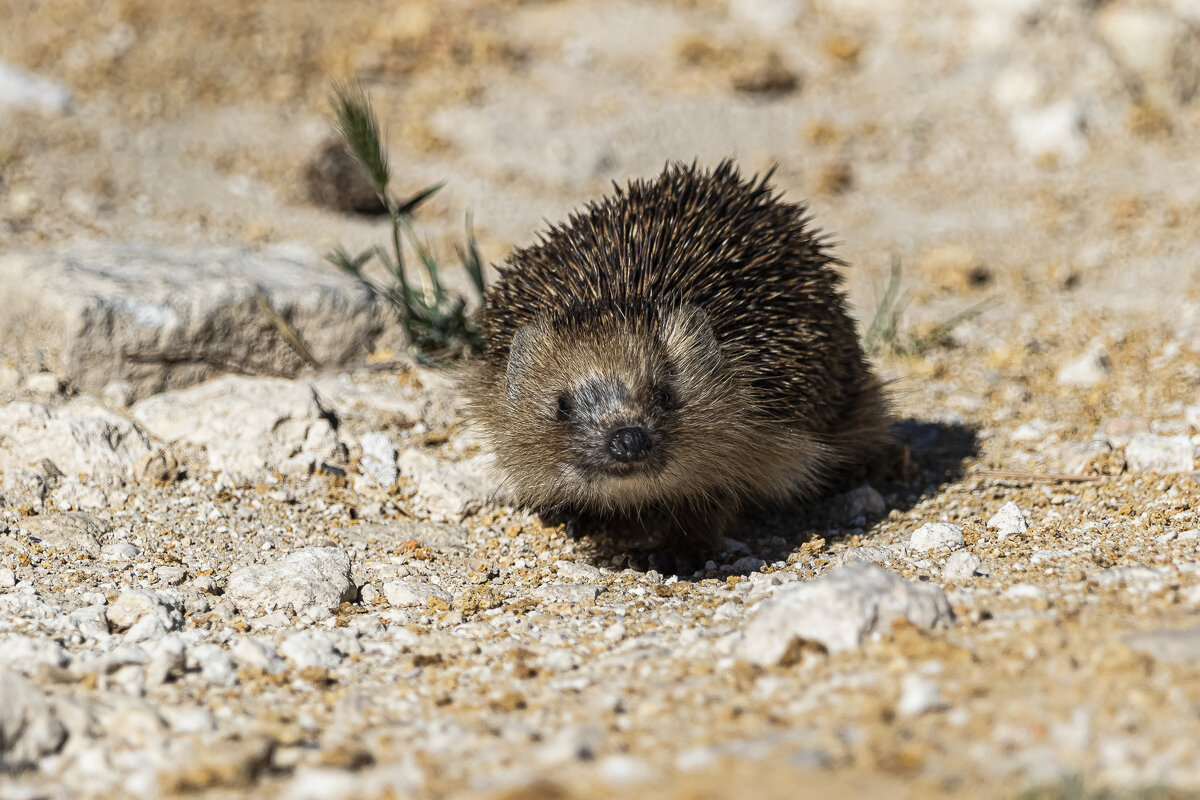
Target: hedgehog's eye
<point>663,399</point>
<point>565,407</point>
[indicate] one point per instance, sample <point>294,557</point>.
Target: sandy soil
<point>1037,152</point>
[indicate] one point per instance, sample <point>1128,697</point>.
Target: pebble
<point>576,572</point>
<point>1008,521</point>
<point>22,653</point>
<point>918,695</point>
<point>134,604</point>
<point>839,611</point>
<point>865,501</point>
<point>170,575</point>
<point>1148,452</point>
<point>871,553</point>
<point>310,649</point>
<point>961,566</point>
<point>257,653</point>
<point>215,665</point>
<point>1087,370</point>
<point>580,594</point>
<point>29,727</point>
<point>313,581</point>
<point>147,628</point>
<point>406,593</point>
<point>379,459</point>
<point>1057,130</point>
<point>937,536</point>
<point>8,578</point>
<point>119,551</point>
<point>167,661</point>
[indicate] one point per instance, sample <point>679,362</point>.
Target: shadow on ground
<point>923,457</point>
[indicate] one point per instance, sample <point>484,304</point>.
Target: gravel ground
<point>308,587</point>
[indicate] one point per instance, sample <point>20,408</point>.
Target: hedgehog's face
<point>599,417</point>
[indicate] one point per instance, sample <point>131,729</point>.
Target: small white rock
<point>1008,521</point>
<point>574,593</point>
<point>1056,130</point>
<point>312,581</point>
<point>310,649</point>
<point>839,610</point>
<point>8,578</point>
<point>133,604</point>
<point>379,459</point>
<point>1088,370</point>
<point>918,695</point>
<point>119,551</point>
<point>960,566</point>
<point>937,536</point>
<point>214,664</point>
<point>409,592</point>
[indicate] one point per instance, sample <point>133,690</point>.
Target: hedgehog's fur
<point>705,311</point>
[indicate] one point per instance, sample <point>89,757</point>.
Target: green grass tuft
<point>435,322</point>
<point>884,333</point>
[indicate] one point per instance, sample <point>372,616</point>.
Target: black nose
<point>630,444</point>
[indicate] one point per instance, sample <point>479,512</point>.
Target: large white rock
<point>839,611</point>
<point>79,437</point>
<point>245,424</point>
<point>312,581</point>
<point>167,317</point>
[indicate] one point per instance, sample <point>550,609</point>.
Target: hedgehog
<point>677,351</point>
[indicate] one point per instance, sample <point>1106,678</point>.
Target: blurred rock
<point>918,695</point>
<point>1160,49</point>
<point>408,593</point>
<point>1056,131</point>
<point>1148,452</point>
<point>960,566</point>
<point>839,611</point>
<point>1087,370</point>
<point>20,89</point>
<point>335,180</point>
<point>161,317</point>
<point>29,726</point>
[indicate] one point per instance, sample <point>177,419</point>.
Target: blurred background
<point>1023,147</point>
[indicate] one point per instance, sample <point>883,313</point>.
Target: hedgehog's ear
<point>520,355</point>
<point>688,336</point>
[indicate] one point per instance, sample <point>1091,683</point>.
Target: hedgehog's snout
<point>630,444</point>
